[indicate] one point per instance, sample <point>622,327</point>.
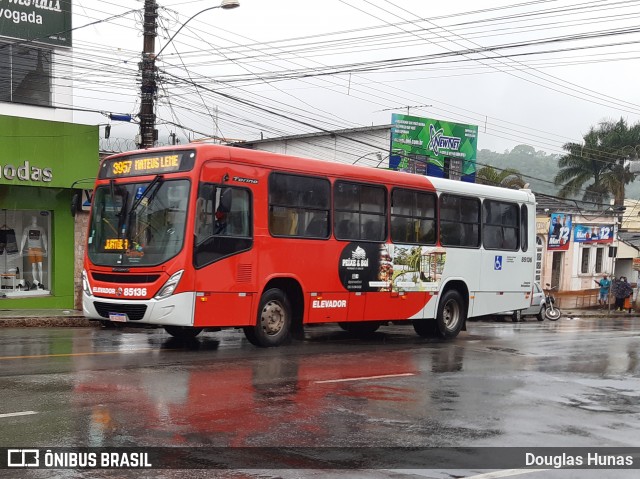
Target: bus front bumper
<point>176,310</point>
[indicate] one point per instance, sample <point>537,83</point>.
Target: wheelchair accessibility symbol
<point>498,263</point>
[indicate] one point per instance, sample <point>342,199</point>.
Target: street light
<point>148,133</point>
<point>225,5</point>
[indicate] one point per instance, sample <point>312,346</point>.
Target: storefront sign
<point>593,233</point>
<point>44,21</point>
<point>25,172</point>
<point>47,154</point>
<point>559,232</point>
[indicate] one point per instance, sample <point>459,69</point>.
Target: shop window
<point>25,252</point>
<point>599,257</point>
<point>584,260</point>
<point>25,74</point>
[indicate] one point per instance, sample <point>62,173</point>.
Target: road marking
<point>504,473</point>
<point>23,413</point>
<point>64,355</point>
<point>364,378</point>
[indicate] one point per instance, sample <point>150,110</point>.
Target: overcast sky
<point>351,63</point>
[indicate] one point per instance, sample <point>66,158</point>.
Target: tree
<point>596,166</point>
<point>619,141</point>
<point>583,163</point>
<point>509,178</point>
<point>523,150</point>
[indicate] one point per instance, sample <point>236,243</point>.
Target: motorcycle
<point>550,310</point>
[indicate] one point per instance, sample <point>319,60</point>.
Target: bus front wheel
<point>183,332</point>
<point>273,325</point>
<point>451,314</point>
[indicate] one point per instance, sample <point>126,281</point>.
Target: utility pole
<point>148,133</point>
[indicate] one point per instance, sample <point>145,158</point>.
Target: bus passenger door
<point>224,253</point>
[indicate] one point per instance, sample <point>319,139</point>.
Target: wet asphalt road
<point>567,384</point>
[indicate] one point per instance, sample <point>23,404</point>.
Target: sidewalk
<point>21,318</point>
<point>599,313</point>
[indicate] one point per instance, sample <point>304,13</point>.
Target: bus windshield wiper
<point>149,193</point>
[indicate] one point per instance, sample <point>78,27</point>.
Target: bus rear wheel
<point>273,324</point>
<point>451,314</point>
<point>360,328</point>
<point>183,332</point>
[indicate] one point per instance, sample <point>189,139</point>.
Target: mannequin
<point>35,238</point>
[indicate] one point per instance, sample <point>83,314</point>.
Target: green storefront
<point>41,162</point>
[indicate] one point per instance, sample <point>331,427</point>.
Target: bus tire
<point>273,324</point>
<point>451,314</point>
<point>360,328</point>
<point>425,328</point>
<point>183,332</point>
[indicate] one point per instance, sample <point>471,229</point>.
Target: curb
<point>51,322</point>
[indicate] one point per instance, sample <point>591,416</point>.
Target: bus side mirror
<point>225,201</point>
<point>76,202</point>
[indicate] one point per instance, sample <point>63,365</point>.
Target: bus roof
<point>307,166</point>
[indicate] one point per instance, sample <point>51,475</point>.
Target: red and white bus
<point>210,237</point>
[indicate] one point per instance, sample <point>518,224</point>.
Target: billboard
<point>593,233</point>
<point>43,21</point>
<point>559,232</point>
<point>444,147</point>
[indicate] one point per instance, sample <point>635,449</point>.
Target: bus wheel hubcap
<point>450,314</point>
<point>272,318</point>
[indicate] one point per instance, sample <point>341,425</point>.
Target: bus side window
<point>318,226</point>
<point>222,226</point>
<point>344,230</point>
<point>365,208</point>
<point>500,225</point>
<point>283,221</point>
<point>413,217</point>
<point>294,203</point>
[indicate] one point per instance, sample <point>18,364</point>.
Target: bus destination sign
<point>147,164</point>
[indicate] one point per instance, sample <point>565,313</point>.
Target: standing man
<point>604,284</point>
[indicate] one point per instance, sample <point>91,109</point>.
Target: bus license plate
<point>118,317</point>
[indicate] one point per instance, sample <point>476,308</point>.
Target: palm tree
<point>598,163</point>
<point>583,163</point>
<point>509,178</point>
<point>620,142</point>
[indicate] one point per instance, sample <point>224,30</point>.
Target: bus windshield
<point>138,224</point>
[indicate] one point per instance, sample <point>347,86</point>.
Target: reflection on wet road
<point>570,383</point>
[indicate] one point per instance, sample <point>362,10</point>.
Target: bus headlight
<point>170,286</point>
<point>86,287</point>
